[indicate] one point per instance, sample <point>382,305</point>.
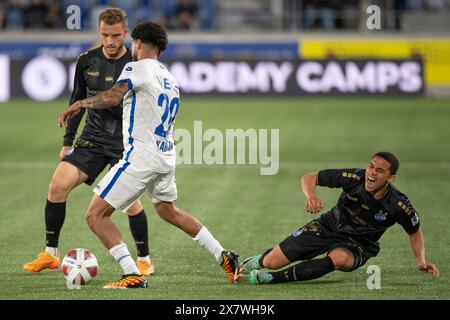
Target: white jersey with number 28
<point>149,111</point>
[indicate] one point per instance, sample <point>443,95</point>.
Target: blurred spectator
<point>180,14</point>
<point>54,17</point>
<point>2,16</point>
<point>36,14</point>
<point>172,14</point>
<point>167,13</point>
<point>319,13</point>
<point>400,6</point>
<point>15,15</point>
<point>186,13</point>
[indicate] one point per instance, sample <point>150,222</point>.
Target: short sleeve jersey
<point>150,108</point>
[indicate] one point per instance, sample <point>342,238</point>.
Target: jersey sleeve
<point>79,93</point>
<point>340,178</point>
<point>408,217</point>
<point>130,74</point>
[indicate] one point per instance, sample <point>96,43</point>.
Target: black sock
<point>55,213</point>
<point>307,270</point>
<point>261,259</point>
<point>139,230</point>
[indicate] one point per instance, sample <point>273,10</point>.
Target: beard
<point>117,52</point>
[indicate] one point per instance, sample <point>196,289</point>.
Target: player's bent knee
<point>91,218</point>
<point>272,262</point>
<point>269,263</point>
<point>342,259</point>
<point>166,211</point>
<point>135,209</point>
<point>57,191</point>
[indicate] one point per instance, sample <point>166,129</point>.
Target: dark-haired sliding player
<point>348,233</point>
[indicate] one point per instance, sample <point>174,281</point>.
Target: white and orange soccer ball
<point>79,266</point>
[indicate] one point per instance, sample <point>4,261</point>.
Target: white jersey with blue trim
<point>149,111</point>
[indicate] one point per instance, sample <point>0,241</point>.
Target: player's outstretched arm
<point>309,185</point>
<point>105,99</point>
<point>418,247</point>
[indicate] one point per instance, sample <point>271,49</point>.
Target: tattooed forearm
<point>107,98</point>
<point>95,102</point>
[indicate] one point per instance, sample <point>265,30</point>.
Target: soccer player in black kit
<point>99,145</point>
<point>349,232</point>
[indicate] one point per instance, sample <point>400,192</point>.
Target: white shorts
<point>124,184</point>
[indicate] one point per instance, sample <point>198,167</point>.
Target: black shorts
<point>91,158</point>
<point>315,238</point>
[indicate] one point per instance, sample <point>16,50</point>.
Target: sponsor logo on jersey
<point>380,216</point>
<point>297,233</point>
<point>128,69</point>
<point>415,219</point>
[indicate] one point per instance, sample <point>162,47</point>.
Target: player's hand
<point>314,205</point>
<point>63,151</point>
<point>429,268</point>
<point>71,111</point>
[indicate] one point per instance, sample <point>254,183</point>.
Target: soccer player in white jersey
<point>151,102</point>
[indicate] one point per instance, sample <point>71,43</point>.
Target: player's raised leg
<point>99,219</point>
<point>183,220</point>
<point>139,230</point>
<point>65,178</point>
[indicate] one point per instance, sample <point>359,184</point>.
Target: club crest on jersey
<point>380,216</point>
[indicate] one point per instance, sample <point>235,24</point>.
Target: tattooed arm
<point>105,99</point>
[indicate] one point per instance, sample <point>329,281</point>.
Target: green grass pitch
<point>247,212</point>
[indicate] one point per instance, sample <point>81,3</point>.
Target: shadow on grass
<point>318,282</point>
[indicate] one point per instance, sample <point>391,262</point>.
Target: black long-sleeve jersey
<point>95,73</point>
<point>358,214</point>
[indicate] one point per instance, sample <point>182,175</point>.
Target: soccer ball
<point>79,266</point>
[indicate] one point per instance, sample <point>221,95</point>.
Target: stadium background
<point>378,107</point>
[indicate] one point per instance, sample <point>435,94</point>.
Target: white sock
<point>52,250</point>
<point>123,257</point>
<point>206,239</point>
<point>146,258</point>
